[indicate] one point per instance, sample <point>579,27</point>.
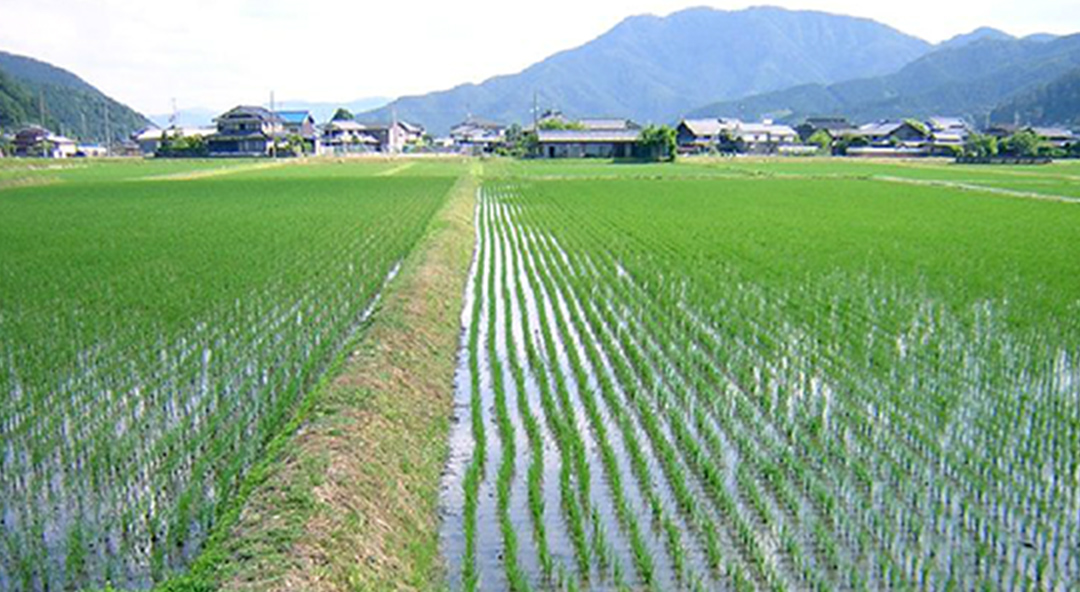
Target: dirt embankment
<point>351,501</point>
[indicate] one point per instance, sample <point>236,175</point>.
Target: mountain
<point>653,69</point>
<point>15,102</point>
<point>1056,103</point>
<point>72,106</point>
<point>967,81</point>
<point>977,35</point>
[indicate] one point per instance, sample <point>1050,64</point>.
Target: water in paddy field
<point>745,448</point>
<point>96,523</point>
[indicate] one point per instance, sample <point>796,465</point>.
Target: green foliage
<point>1056,103</point>
<point>981,146</point>
<point>15,103</point>
<point>822,139</point>
<point>182,147</point>
<point>1024,143</point>
<point>342,114</point>
<point>559,124</point>
<point>658,143</point>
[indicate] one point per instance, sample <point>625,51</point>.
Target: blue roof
<point>293,116</point>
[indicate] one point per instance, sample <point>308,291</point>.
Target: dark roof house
<point>246,131</point>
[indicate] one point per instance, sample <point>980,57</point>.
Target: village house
<point>345,136</point>
<point>835,127</point>
<point>893,134</point>
<point>394,137</point>
<point>476,135</point>
<point>607,124</point>
<point>36,141</point>
<point>302,124</point>
<point>696,136</point>
<point>572,143</point>
<point>948,132</point>
<point>703,135</point>
<point>150,139</point>
<point>765,138</point>
<point>588,138</point>
<point>246,131</point>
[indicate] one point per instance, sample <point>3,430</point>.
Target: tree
<point>1024,143</point>
<point>342,114</point>
<point>658,143</point>
<point>981,146</point>
<point>560,124</point>
<point>821,139</point>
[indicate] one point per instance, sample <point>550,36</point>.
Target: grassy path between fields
<point>349,501</point>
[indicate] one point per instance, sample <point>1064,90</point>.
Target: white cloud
<point>217,53</point>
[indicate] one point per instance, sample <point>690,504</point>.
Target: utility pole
<point>391,134</point>
<point>273,136</point>
<point>41,107</point>
<point>85,131</point>
<point>536,112</point>
<point>173,117</point>
<point>108,130</point>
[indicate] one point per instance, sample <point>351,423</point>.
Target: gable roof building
<point>246,131</point>
<point>571,143</point>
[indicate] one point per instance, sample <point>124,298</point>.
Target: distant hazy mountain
<point>72,106</point>
<point>1057,103</point>
<point>969,81</point>
<point>654,69</point>
<point>977,35</point>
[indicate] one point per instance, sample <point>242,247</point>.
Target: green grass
<point>159,328</point>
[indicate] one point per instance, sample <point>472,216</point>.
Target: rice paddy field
<point>159,323</point>
<point>769,375</point>
<point>720,374</point>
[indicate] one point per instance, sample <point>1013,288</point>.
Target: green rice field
<point>770,375</point>
<point>159,322</point>
<point>718,374</point>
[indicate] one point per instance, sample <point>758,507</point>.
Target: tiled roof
<point>587,136</point>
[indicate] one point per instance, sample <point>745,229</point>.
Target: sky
<point>218,53</point>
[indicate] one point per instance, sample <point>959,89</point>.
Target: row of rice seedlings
<point>642,558</point>
<point>532,426</point>
<point>555,403</point>
<point>474,472</point>
<point>666,332</point>
<point>669,461</point>
<point>158,464</point>
<point>516,579</point>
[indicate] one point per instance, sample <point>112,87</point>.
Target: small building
<point>607,124</point>
<point>91,151</point>
<point>836,127</point>
<point>302,124</point>
<point>948,133</point>
<point>764,138</point>
<point>578,143</point>
<point>345,136</point>
<point>905,134</point>
<point>151,139</point>
<point>477,135</point>
<point>246,131</point>
<point>394,137</point>
<point>36,141</point>
<point>695,136</point>
<point>1056,137</point>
